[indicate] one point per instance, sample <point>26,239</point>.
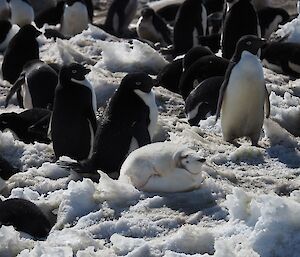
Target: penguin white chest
<point>75,19</point>
<point>146,30</point>
<point>21,13</point>
<point>149,100</point>
<point>243,103</point>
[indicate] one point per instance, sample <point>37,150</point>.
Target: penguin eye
<point>74,71</point>
<point>138,83</point>
<point>248,43</point>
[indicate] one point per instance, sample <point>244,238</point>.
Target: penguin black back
<point>22,48</point>
<point>240,20</point>
<point>5,27</point>
<point>73,122</point>
<point>25,216</point>
<point>51,16</point>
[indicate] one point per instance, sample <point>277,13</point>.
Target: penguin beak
<point>86,71</point>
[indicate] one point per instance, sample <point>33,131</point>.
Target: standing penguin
<point>243,93</point>
<point>75,18</point>
<point>21,12</point>
<point>22,48</point>
<point>4,10</point>
<point>241,19</point>
<point>7,32</point>
<point>151,27</point>
<point>35,86</point>
<point>73,122</point>
<point>119,16</point>
<point>191,22</point>
<point>128,123</point>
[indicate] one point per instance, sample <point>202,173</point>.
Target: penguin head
<point>73,71</point>
<point>188,160</point>
<point>249,43</point>
<point>137,80</point>
<point>30,31</point>
<point>194,54</point>
<point>147,13</point>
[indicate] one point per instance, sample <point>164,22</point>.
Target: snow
<point>248,204</point>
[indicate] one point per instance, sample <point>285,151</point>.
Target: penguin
<point>169,76</point>
<point>203,68</point>
<point>119,16</point>
<point>73,122</point>
<point>7,32</point>
<point>4,10</point>
<point>129,122</point>
<point>203,100</point>
<point>21,12</point>
<point>35,86</point>
<point>243,93</point>
<point>151,27</point>
<point>282,57</point>
<point>163,167</point>
<point>25,216</point>
<point>270,18</point>
<point>29,126</point>
<point>191,22</point>
<point>75,18</point>
<point>22,48</point>
<point>51,16</point>
<point>241,19</point>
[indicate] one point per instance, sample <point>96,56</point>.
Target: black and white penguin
<point>119,16</point>
<point>203,68</point>
<point>169,76</point>
<point>4,10</point>
<point>128,123</point>
<point>35,86</point>
<point>75,18</point>
<point>29,126</point>
<point>21,12</point>
<point>241,19</point>
<point>24,216</point>
<point>270,18</point>
<point>151,27</point>
<point>243,93</point>
<point>7,32</point>
<point>73,122</point>
<point>203,100</point>
<point>22,48</point>
<point>282,57</point>
<point>191,22</point>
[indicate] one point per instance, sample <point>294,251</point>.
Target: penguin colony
<point>61,104</point>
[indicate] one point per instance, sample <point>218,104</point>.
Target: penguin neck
<point>238,55</point>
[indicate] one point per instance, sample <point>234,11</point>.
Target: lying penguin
<point>163,167</point>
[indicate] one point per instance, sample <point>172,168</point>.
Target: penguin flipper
<point>267,103</point>
<point>223,88</point>
<point>14,88</point>
<point>141,133</point>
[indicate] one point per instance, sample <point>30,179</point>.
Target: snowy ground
<point>248,205</point>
